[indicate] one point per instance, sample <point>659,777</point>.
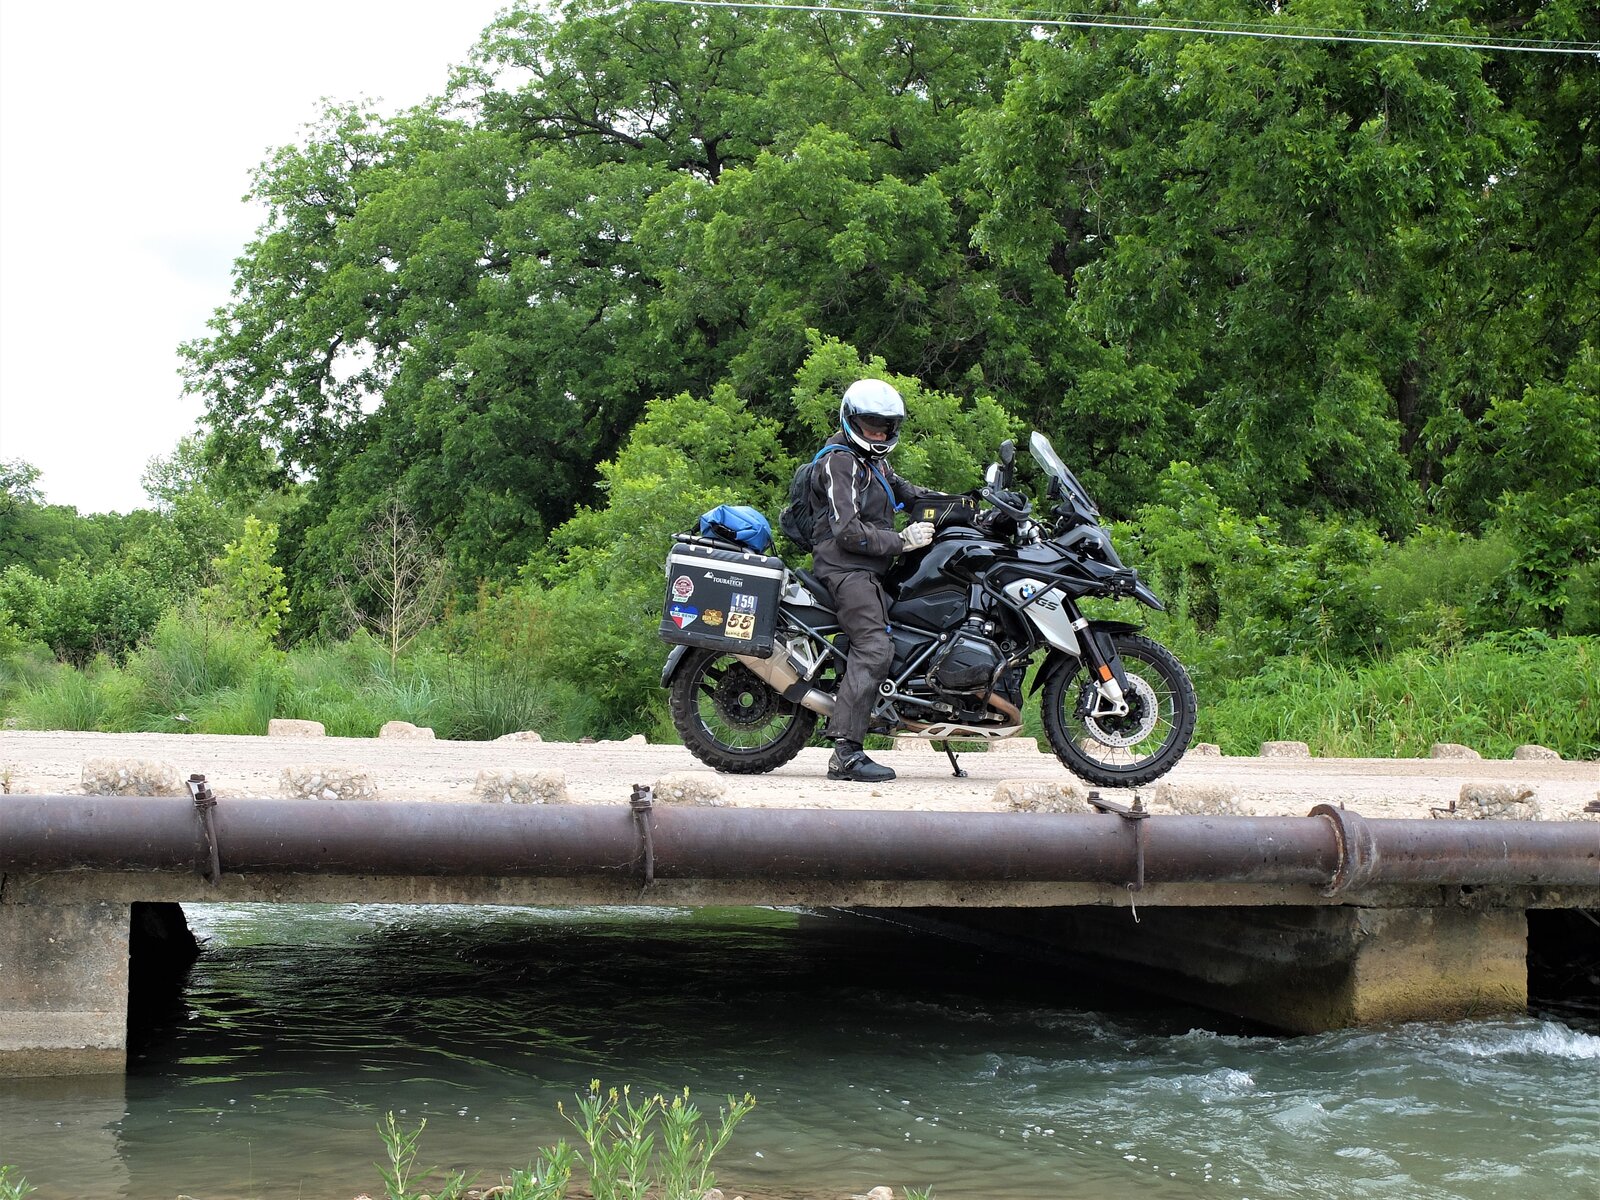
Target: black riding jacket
<point>854,528</point>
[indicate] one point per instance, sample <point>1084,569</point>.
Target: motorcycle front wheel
<point>731,720</point>
<point>1129,750</point>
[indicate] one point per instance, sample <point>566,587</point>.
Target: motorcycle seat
<point>814,585</point>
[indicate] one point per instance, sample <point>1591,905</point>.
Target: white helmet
<point>871,406</point>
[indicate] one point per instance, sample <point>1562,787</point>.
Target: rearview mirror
<point>1008,452</point>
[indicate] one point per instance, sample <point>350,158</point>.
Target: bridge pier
<point>1301,969</point>
<point>66,972</point>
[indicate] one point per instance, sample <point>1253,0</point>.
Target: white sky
<point>127,136</point>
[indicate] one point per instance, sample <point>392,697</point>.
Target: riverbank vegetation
<point>1314,321</point>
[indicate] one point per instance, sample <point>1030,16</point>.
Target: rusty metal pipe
<point>1464,853</point>
<point>1333,849</point>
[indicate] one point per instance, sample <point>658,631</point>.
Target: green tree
<point>19,486</point>
<point>249,589</point>
<point>1270,229</point>
<point>1545,453</point>
<point>475,300</point>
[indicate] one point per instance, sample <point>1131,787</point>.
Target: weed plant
<point>632,1149</point>
<point>401,1176</point>
<point>624,1161</point>
<point>12,1185</point>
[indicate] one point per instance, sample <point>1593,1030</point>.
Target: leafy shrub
<point>1440,588</point>
<point>24,597</point>
<point>78,614</point>
<point>1582,615</point>
<point>249,590</point>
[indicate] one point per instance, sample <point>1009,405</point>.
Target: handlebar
<point>1013,504</point>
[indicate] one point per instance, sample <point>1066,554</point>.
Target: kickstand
<point>954,765</point>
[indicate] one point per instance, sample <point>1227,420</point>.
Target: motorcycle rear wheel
<point>731,720</point>
<point>1125,751</point>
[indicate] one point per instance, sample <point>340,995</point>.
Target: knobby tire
<point>695,684</point>
<point>1176,708</point>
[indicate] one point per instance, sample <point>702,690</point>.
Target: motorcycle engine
<point>967,664</point>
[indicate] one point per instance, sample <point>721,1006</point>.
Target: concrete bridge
<point>1312,918</point>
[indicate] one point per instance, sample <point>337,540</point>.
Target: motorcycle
<point>759,651</point>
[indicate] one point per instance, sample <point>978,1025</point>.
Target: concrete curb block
<point>1044,796</point>
<point>693,787</point>
<point>1199,800</point>
<point>405,729</point>
<point>131,777</point>
<point>521,787</point>
<point>1496,801</point>
<point>284,727</point>
<point>332,781</point>
<point>1284,750</point>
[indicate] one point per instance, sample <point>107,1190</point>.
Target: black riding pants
<point>861,604</point>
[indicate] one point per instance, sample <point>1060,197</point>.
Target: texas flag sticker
<point>682,615</point>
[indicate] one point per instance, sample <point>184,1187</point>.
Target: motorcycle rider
<point>855,495</point>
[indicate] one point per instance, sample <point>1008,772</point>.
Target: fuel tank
<point>932,590</point>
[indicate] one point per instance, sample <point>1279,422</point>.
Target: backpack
<point>798,520</point>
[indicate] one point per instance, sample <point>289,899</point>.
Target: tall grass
<point>1492,695</point>
<point>191,675</point>
<point>90,699</point>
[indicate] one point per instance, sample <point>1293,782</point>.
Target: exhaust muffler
<point>778,672</point>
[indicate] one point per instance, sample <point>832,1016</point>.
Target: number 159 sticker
<point>741,617</point>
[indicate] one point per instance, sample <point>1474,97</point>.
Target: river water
<point>876,1057</point>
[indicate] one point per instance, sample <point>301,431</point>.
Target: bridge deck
<point>46,763</point>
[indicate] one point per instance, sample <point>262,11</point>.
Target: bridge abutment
<point>1301,969</point>
<point>66,971</point>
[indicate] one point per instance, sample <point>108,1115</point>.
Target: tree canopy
<point>1325,273</point>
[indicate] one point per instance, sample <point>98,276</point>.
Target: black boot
<point>850,763</point>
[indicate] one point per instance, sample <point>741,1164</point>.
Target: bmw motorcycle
<point>759,650</point>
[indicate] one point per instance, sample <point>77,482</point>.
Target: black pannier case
<point>721,597</point>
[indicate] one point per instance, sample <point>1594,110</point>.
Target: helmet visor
<point>876,428</point>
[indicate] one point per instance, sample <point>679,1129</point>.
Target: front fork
<point>1105,665</point>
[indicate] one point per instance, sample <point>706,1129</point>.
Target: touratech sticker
<point>742,618</point>
<point>682,587</point>
<point>712,617</point>
<point>682,614</point>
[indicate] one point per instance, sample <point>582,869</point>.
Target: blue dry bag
<point>738,523</point>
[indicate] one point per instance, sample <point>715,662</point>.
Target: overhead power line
<point>1458,41</point>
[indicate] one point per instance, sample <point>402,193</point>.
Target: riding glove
<point>916,536</point>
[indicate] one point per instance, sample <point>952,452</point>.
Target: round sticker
<point>682,587</point>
